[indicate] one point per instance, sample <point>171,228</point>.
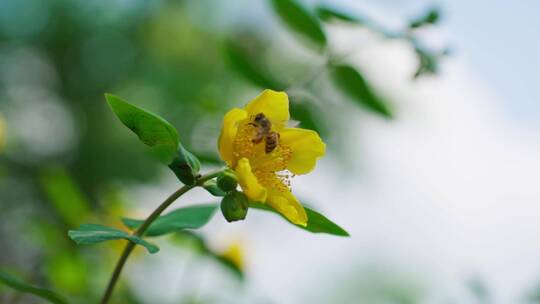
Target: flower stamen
<point>270,169</point>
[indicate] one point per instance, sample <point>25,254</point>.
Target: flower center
<point>270,168</point>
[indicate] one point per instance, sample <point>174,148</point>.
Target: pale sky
<point>446,192</point>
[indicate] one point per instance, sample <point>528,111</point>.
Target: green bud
<point>234,206</point>
<point>185,166</point>
<point>227,181</point>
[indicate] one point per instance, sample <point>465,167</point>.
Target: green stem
<point>142,229</point>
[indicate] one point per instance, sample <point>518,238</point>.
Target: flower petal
<point>287,204</point>
<point>306,146</point>
<point>228,133</point>
<point>274,105</point>
<point>248,182</point>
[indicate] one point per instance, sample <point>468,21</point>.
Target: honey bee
<point>264,132</point>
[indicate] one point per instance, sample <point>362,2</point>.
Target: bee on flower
<point>265,153</point>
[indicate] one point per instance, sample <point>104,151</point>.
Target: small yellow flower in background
<point>235,255</point>
<point>265,153</point>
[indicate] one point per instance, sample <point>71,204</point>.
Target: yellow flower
<point>265,176</point>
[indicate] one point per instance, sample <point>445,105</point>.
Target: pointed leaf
<point>248,65</point>
<point>353,84</point>
<point>329,14</point>
<point>93,234</point>
<point>300,20</point>
<point>24,287</point>
<point>65,194</point>
<point>306,111</point>
<point>151,129</point>
<point>432,16</point>
<point>427,63</point>
<point>184,218</point>
<point>317,223</point>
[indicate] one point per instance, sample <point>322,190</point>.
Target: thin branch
<point>145,225</point>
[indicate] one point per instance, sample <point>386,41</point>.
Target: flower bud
<point>227,181</point>
<point>234,206</point>
<point>185,166</point>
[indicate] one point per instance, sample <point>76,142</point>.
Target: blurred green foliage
<point>65,158</point>
<point>27,288</point>
<point>197,243</point>
<point>354,84</point>
<point>376,284</point>
<point>61,190</point>
<point>479,290</point>
<point>300,20</point>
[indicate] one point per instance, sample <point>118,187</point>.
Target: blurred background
<point>429,110</point>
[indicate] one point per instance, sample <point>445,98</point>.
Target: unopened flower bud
<point>227,181</point>
<point>234,206</point>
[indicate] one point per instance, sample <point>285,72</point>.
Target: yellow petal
<point>274,105</point>
<point>287,204</point>
<point>248,182</point>
<point>306,146</point>
<point>228,133</point>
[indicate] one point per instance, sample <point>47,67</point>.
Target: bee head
<point>259,117</point>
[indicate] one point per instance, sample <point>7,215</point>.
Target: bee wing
<point>293,123</point>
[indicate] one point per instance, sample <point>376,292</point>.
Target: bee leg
<point>269,149</point>
<point>257,139</point>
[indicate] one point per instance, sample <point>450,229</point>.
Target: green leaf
<point>308,113</point>
<point>248,65</point>
<point>93,234</point>
<point>353,84</point>
<point>300,20</point>
<point>66,196</point>
<point>432,16</point>
<point>329,14</point>
<point>228,264</point>
<point>151,129</point>
<point>184,218</point>
<point>479,289</point>
<point>317,223</point>
<point>24,287</point>
<point>427,63</point>
<point>68,270</point>
<point>212,187</point>
<point>185,166</point>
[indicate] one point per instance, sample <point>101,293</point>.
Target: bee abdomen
<point>271,142</point>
